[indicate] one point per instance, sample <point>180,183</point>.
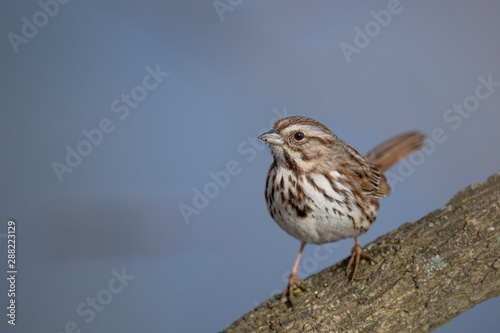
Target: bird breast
<point>317,208</point>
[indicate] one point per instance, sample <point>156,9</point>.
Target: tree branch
<point>428,272</point>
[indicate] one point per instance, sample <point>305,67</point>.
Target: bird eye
<point>299,136</point>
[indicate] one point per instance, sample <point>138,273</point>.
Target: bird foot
<point>357,254</point>
<point>293,280</point>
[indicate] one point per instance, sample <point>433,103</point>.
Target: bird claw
<point>293,280</point>
<point>357,254</point>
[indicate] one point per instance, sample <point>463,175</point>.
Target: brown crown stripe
<point>292,120</point>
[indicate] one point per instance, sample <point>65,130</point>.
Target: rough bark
<point>428,272</point>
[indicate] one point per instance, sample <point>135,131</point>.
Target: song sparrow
<point>319,189</point>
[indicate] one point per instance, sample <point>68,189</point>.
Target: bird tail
<point>394,150</point>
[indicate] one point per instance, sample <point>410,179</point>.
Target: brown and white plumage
<point>319,189</point>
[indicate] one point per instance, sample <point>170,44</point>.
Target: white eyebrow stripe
<point>308,129</point>
<point>301,127</point>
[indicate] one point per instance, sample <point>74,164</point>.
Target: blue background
<point>230,75</point>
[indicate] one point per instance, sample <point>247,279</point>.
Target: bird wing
<point>371,180</point>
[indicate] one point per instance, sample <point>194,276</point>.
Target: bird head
<point>300,142</point>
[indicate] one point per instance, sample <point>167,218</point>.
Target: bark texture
<point>428,272</point>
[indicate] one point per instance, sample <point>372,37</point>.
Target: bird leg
<point>294,279</point>
<point>357,254</point>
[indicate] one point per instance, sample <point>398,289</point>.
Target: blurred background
<point>129,154</point>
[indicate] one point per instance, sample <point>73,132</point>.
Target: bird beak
<point>272,137</point>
